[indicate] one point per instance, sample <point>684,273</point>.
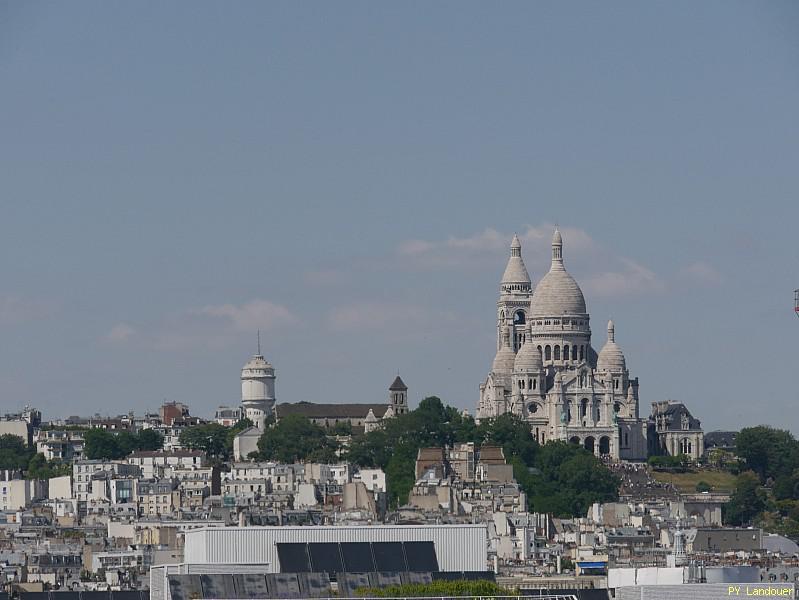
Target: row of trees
<point>560,478</point>
<point>103,444</point>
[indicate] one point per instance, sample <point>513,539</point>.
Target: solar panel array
<point>357,557</point>
<point>250,586</point>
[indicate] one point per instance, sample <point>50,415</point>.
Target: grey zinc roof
<point>330,411</point>
<point>398,385</point>
<point>720,439</point>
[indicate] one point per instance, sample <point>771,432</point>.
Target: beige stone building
<point>547,372</point>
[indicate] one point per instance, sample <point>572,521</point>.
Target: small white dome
<point>611,358</point>
<point>528,359</point>
<point>257,368</point>
<point>516,271</point>
<point>504,361</point>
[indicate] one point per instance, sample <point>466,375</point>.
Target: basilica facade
<point>546,371</point>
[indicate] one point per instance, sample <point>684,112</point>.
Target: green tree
<point>14,453</point>
<point>746,501</point>
<point>566,479</point>
<point>127,442</point>
<point>767,451</point>
<point>401,474</point>
<point>703,486</point>
<point>295,438</point>
<point>513,435</point>
<point>210,438</point>
<point>40,468</point>
<point>150,439</point>
<point>102,444</point>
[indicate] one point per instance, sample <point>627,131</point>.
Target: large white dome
<point>557,293</point>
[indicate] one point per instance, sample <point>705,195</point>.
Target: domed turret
<point>258,388</point>
<point>505,358</point>
<point>516,277</point>
<point>557,293</point>
<point>528,359</point>
<point>611,358</point>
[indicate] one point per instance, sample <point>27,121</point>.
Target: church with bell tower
<point>546,372</point>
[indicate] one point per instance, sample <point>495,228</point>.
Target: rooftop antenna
<point>259,342</point>
<point>796,302</point>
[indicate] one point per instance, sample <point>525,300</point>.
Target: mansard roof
<point>720,439</point>
<point>671,413</point>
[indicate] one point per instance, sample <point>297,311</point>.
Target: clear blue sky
<point>347,177</point>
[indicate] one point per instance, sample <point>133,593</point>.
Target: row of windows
<point>569,353</point>
<point>574,322</point>
<point>520,319</point>
<point>530,384</point>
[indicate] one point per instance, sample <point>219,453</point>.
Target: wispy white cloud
<point>257,314</point>
<point>484,248</point>
<point>120,333</point>
<point>632,278</point>
<point>600,271</point>
<point>702,273</point>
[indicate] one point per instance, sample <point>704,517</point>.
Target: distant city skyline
<point>347,179</point>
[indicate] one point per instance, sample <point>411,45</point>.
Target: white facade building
<point>546,372</point>
<point>458,547</point>
<point>83,472</point>
<point>257,389</point>
<point>153,462</point>
<point>16,494</point>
